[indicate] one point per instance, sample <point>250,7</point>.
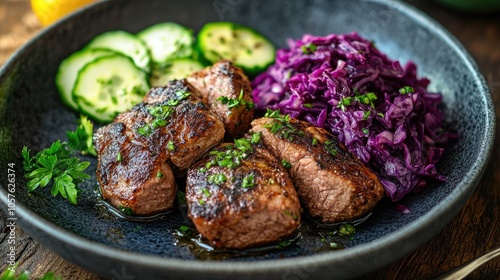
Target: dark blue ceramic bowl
<point>31,114</point>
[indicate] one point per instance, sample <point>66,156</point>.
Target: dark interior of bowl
<point>32,114</point>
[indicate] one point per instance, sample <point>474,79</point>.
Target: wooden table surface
<point>472,232</point>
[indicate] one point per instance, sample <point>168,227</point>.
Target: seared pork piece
<point>134,151</point>
<point>334,185</point>
<point>248,201</point>
<point>226,90</point>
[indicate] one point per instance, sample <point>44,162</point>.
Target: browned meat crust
<point>334,185</point>
<point>130,175</point>
<point>223,79</point>
<point>133,151</point>
<point>232,214</point>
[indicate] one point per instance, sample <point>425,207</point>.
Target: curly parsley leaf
<point>58,166</point>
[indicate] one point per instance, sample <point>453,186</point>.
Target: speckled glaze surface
<point>31,114</point>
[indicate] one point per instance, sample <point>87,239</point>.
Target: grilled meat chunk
<point>225,83</point>
<point>334,185</point>
<point>192,129</point>
<point>130,175</point>
<point>248,201</point>
<point>134,151</point>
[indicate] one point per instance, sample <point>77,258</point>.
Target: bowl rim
<point>455,199</point>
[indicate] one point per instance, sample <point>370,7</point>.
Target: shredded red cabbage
<point>379,110</point>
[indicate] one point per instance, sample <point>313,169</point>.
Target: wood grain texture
<point>472,232</point>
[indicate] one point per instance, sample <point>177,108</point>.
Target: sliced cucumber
<point>126,44</point>
<point>175,69</point>
<point>68,72</point>
<point>109,85</point>
<point>242,45</point>
<point>167,41</point>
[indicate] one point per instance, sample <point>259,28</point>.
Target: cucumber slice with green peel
<point>242,45</point>
<point>167,41</point>
<point>175,69</point>
<point>68,72</point>
<point>126,44</point>
<point>108,86</point>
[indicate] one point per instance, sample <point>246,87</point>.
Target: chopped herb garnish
<point>272,114</point>
<point>170,146</point>
<point>366,99</point>
<point>367,114</point>
<point>314,141</point>
<point>310,48</point>
<point>284,243</point>
<point>181,94</point>
<point>346,230</point>
<point>217,179</point>
<point>206,191</point>
<point>365,130</point>
<point>159,174</point>
<point>282,125</point>
<point>118,156</point>
<point>185,229</point>
<point>323,239</point>
<point>288,213</point>
<point>406,90</point>
<point>158,123</point>
<point>202,170</point>
<point>162,113</point>
<point>380,115</point>
<point>334,245</point>
<point>329,146</point>
<point>308,105</point>
<point>173,102</point>
<point>256,137</point>
<point>201,201</point>
<point>344,102</point>
<point>270,181</point>
<point>126,210</point>
<point>145,130</point>
<point>243,144</point>
<point>231,102</point>
<point>232,156</point>
<point>210,164</point>
<point>286,164</point>
<point>275,127</point>
<point>248,181</point>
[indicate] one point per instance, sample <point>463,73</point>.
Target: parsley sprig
<point>81,138</point>
<point>58,166</point>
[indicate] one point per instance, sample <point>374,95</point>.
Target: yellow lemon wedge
<point>49,11</point>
